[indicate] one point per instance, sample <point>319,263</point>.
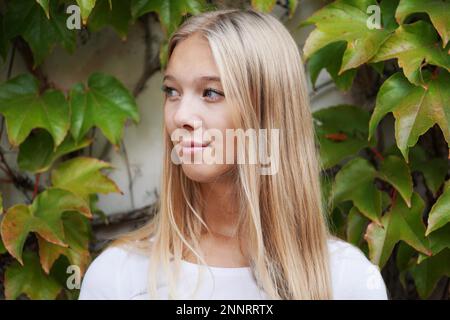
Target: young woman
<point>230,229</point>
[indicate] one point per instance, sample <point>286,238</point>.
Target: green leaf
<point>2,247</point>
<point>434,173</point>
<point>378,67</point>
<point>25,109</point>
<point>118,16</point>
<point>30,279</point>
<point>93,199</point>
<point>329,58</point>
<point>341,131</point>
<point>399,223</point>
<point>405,256</point>
<point>86,7</point>
<point>439,240</point>
<point>76,229</point>
<point>415,108</point>
<point>82,176</point>
<point>292,7</point>
<point>338,222</point>
<point>106,103</point>
<point>170,12</point>
<point>405,259</point>
<point>433,169</point>
<point>1,204</point>
<point>429,272</point>
<point>43,216</point>
<point>26,18</point>
<point>65,36</point>
<point>346,20</point>
<point>440,212</point>
<point>60,272</point>
<point>326,182</point>
<point>264,5</point>
<point>395,171</point>
<point>414,46</point>
<point>388,9</point>
<point>438,10</point>
<point>356,225</point>
<point>44,5</point>
<point>355,182</point>
<point>36,152</point>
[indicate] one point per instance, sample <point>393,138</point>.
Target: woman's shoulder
<point>353,275</point>
<point>341,249</point>
<point>104,276</point>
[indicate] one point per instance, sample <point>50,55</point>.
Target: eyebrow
<point>200,79</point>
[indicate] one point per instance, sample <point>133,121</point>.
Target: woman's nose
<point>186,115</point>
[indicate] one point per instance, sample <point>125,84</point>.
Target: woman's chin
<point>205,173</point>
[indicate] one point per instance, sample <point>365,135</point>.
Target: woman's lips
<point>189,150</point>
<point>190,147</point>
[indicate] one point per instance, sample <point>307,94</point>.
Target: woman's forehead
<point>192,52</point>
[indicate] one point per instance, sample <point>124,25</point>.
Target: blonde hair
<point>282,215</point>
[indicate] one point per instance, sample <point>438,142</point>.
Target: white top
<point>120,274</point>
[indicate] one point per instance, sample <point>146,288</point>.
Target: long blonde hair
<point>282,215</point>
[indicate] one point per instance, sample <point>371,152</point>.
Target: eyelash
<point>167,90</point>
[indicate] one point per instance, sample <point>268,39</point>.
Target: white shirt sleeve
<point>355,277</point>
<point>101,280</point>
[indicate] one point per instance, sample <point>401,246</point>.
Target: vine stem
<point>4,170</point>
<point>11,62</point>
<point>6,167</point>
<point>130,177</point>
<point>21,182</point>
<point>377,153</point>
<point>151,59</point>
<point>27,55</point>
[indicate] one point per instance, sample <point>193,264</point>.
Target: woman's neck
<point>221,208</point>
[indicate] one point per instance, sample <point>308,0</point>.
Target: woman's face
<point>196,109</point>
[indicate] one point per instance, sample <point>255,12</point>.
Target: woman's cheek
<point>168,119</point>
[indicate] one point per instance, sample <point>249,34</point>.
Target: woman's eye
<point>212,94</point>
<point>168,90</point>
